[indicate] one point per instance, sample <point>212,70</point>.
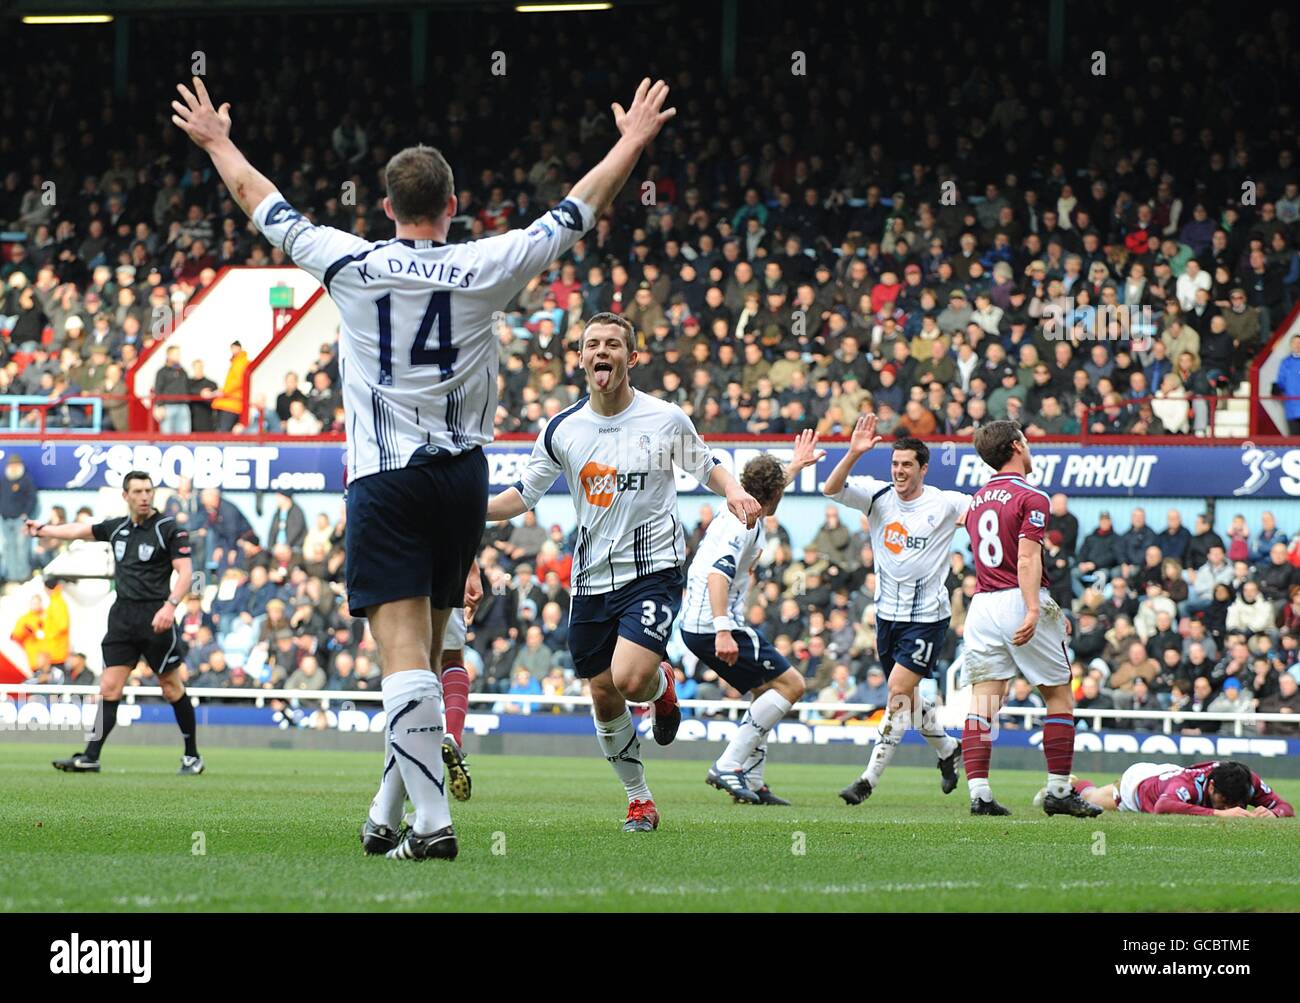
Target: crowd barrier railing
<point>324,699</point>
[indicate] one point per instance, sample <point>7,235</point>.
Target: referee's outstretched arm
<point>66,531</point>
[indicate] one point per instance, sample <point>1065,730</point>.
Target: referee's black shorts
<point>130,637</point>
<point>415,531</point>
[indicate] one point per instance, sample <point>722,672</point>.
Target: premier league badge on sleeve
<point>1037,518</point>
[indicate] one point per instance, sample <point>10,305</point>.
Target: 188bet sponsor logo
<point>600,483</point>
<point>896,539</point>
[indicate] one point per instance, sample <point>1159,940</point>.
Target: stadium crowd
<point>1164,619</point>
<point>781,271</point>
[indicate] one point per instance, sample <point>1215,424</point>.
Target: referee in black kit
<point>147,548</point>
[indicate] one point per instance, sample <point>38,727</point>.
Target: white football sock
<point>661,687</point>
<point>386,808</point>
<point>980,789</point>
<point>762,716</point>
<point>753,768</point>
<point>892,729</point>
<point>413,702</point>
<point>622,749</point>
<point>939,740</point>
<point>1058,785</point>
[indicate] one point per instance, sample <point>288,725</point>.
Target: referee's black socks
<point>184,711</point>
<point>105,718</point>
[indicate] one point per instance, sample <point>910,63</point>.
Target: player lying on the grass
<point>617,450</point>
<point>912,527</point>
<point>1013,624</point>
<point>418,366</point>
<point>382,829</point>
<point>1228,790</point>
<point>148,550</point>
<point>714,614</point>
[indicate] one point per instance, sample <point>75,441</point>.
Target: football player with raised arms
<point>715,630</point>
<point>418,366</point>
<point>912,526</point>
<point>617,449</point>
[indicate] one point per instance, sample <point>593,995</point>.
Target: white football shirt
<point>417,353</point>
<point>728,549</point>
<point>620,473</point>
<point>912,542</point>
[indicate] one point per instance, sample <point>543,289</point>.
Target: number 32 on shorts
<point>650,611</point>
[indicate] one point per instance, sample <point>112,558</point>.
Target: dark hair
<point>419,184</point>
<point>135,475</point>
<point>994,442</point>
<point>1232,781</point>
<point>629,332</point>
<point>764,478</point>
<point>918,447</point>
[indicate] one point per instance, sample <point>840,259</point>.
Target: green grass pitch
<point>279,831</point>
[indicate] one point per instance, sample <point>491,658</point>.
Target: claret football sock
<point>976,751</point>
<point>1058,747</point>
<point>413,702</point>
<point>455,699</point>
<point>622,749</point>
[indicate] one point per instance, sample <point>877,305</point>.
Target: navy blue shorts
<point>757,663</point>
<point>912,645</point>
<point>414,532</point>
<point>643,611</point>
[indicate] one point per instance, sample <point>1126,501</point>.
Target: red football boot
<point>642,816</point>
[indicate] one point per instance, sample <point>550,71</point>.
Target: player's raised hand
<point>864,437</point>
<point>646,115</point>
<point>743,505</point>
<point>1025,633</point>
<point>197,117</point>
<point>806,452</point>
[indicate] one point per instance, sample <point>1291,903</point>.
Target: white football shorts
<point>989,654</point>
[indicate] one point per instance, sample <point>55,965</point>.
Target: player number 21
<point>648,611</point>
<point>990,543</point>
